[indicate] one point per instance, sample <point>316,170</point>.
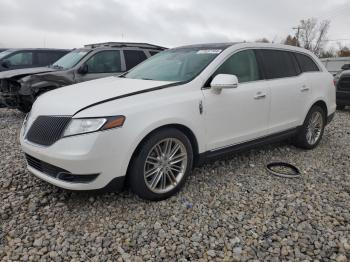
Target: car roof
<point>209,45</point>
<point>36,49</point>
<point>124,45</point>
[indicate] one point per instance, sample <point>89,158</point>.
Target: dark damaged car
<point>20,88</point>
<point>12,59</point>
<point>342,81</point>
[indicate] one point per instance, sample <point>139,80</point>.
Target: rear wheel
<point>162,164</point>
<point>311,132</point>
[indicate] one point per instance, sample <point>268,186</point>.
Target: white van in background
<point>334,64</point>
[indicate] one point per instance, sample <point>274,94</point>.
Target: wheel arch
<point>321,103</point>
<point>184,129</point>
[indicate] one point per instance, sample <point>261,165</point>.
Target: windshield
<point>5,53</point>
<point>181,64</point>
<point>70,59</point>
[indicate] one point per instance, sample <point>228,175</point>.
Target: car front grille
<point>46,130</point>
<point>57,172</point>
<point>344,83</point>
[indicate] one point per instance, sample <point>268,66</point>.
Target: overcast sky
<point>73,23</point>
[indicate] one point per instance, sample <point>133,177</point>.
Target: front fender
<point>154,126</point>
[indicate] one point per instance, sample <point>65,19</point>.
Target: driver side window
<point>104,62</point>
<point>243,65</point>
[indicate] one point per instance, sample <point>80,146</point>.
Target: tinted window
<point>152,53</point>
<point>243,65</point>
<point>22,58</point>
<point>133,58</point>
<point>104,62</point>
<point>278,64</point>
<point>47,58</point>
<point>306,63</point>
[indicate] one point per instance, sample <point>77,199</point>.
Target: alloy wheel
<point>314,128</point>
<point>165,165</point>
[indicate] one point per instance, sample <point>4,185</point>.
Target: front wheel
<point>310,134</point>
<point>161,165</point>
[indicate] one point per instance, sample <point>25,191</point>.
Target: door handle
<point>304,88</point>
<point>259,95</point>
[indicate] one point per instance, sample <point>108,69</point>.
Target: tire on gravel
<point>301,140</point>
<point>138,182</point>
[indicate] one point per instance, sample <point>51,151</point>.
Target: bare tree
<point>313,34</point>
<point>344,51</point>
<point>291,40</point>
<point>262,40</point>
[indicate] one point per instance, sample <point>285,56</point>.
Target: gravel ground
<point>229,210</point>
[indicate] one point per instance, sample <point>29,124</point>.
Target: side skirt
<point>217,153</point>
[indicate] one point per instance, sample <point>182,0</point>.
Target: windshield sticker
<point>209,51</point>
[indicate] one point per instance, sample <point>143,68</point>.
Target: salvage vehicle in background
<point>20,88</point>
<point>12,59</point>
<point>342,81</point>
<point>178,108</point>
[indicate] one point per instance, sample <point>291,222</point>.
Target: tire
<point>304,139</point>
<point>165,176</point>
<point>24,108</point>
<point>340,107</point>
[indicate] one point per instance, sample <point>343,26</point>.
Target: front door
<point>241,114</point>
<point>101,64</point>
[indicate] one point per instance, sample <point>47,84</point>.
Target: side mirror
<point>6,63</point>
<point>224,81</point>
<point>84,69</point>
<point>346,67</point>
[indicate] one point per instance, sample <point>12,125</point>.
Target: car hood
<point>25,72</point>
<point>71,99</point>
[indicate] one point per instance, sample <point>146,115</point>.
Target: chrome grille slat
<point>46,130</point>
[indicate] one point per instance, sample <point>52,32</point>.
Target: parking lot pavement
<point>229,210</point>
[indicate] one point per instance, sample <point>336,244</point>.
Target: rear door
<point>101,64</point>
<point>241,114</point>
<point>282,75</point>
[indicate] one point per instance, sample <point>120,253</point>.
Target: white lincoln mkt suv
<point>151,125</point>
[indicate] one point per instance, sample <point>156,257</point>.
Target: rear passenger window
<point>243,65</point>
<point>46,58</point>
<point>133,58</point>
<point>278,64</point>
<point>306,63</point>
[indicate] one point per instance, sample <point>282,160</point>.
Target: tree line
<point>313,35</point>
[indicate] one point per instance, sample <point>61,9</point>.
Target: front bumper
<point>96,154</point>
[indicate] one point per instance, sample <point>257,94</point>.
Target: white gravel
<point>230,210</point>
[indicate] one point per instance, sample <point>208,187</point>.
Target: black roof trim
<point>125,44</point>
<point>209,45</point>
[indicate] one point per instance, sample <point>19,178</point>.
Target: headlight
<point>87,125</point>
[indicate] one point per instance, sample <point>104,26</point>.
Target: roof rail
<point>125,44</point>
